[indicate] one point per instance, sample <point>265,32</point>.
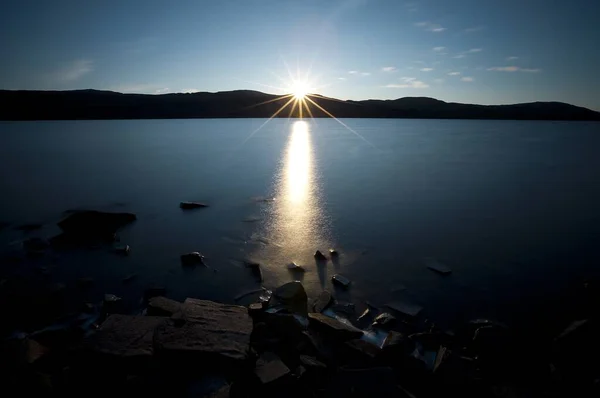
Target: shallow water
<point>511,207</point>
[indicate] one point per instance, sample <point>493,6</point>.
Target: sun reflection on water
<point>297,226</point>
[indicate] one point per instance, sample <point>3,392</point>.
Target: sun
<point>300,89</point>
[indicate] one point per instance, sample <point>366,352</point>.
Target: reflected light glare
<point>297,174</point>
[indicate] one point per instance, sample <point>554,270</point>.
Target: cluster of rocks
<point>286,345</point>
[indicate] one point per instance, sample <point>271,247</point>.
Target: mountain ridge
<point>105,104</point>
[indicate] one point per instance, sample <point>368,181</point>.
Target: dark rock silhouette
<point>95,104</point>
<point>95,224</point>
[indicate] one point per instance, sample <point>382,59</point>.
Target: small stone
<point>320,256</point>
<point>255,309</point>
<point>323,301</point>
<point>162,306</point>
<point>340,280</point>
<point>311,363</point>
<point>111,303</point>
<point>123,249</point>
<point>295,267</point>
<point>192,205</point>
<point>193,258</point>
<point>384,321</point>
<point>333,253</point>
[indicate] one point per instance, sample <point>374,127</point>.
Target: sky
<point>472,51</point>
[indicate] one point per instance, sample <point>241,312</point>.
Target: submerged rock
<point>91,223</point>
<point>193,258</point>
<point>122,249</point>
<point>340,280</point>
<point>213,333</point>
<point>323,301</point>
<point>348,309</point>
<point>333,328</point>
<point>192,205</point>
<point>320,256</point>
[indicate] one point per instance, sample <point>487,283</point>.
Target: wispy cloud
<point>76,70</point>
<point>426,69</point>
<point>512,58</point>
<point>411,6</point>
<point>430,27</point>
<point>365,74</point>
<point>513,69</point>
<point>408,82</point>
<point>161,91</point>
<point>190,90</point>
<point>389,69</point>
<point>458,56</point>
<point>438,81</point>
<point>474,50</point>
<point>438,49</point>
<point>353,72</point>
<point>341,78</point>
<point>136,88</point>
<point>454,74</point>
<point>467,79</point>
<point>474,29</point>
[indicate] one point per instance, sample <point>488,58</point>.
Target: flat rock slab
<point>405,308</point>
<point>125,336</point>
<point>163,306</point>
<point>210,332</point>
<point>333,328</point>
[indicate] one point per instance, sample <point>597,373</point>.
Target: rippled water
<point>511,207</point>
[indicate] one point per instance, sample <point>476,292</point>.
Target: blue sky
<point>474,51</point>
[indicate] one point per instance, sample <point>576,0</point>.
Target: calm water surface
<point>512,207</point>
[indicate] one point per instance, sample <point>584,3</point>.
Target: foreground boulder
<point>270,369</point>
<point>91,223</point>
<point>322,301</point>
<point>333,328</point>
<point>293,297</point>
<point>162,306</point>
<point>214,334</point>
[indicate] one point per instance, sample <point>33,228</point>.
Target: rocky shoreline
<point>283,343</point>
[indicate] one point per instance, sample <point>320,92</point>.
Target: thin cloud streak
<point>513,69</point>
<point>389,69</point>
<point>430,27</point>
<point>467,79</point>
<point>76,70</point>
<point>408,82</point>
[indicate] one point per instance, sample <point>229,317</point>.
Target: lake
<point>513,207</point>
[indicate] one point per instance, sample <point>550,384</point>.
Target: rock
<point>112,304</point>
<point>19,352</point>
<point>124,336</point>
<point>256,269</point>
<point>333,253</point>
<point>91,223</point>
<point>333,328</point>
<point>122,249</point>
<point>193,258</point>
<point>213,333</point>
<point>372,382</point>
<point>360,351</point>
<point>295,267</point>
<point>270,369</point>
<point>345,308</point>
<point>35,245</point>
<point>320,256</point>
<point>88,308</point>
<point>323,301</point>
<point>340,280</point>
<point>405,308</point>
<point>314,345</point>
<point>438,267</point>
<point>286,326</point>
<point>312,363</point>
<point>293,297</point>
<point>192,205</point>
<point>384,321</point>
<point>162,306</point>
<point>154,291</point>
<point>255,309</point>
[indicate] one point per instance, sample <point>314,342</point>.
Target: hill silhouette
<point>96,104</point>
